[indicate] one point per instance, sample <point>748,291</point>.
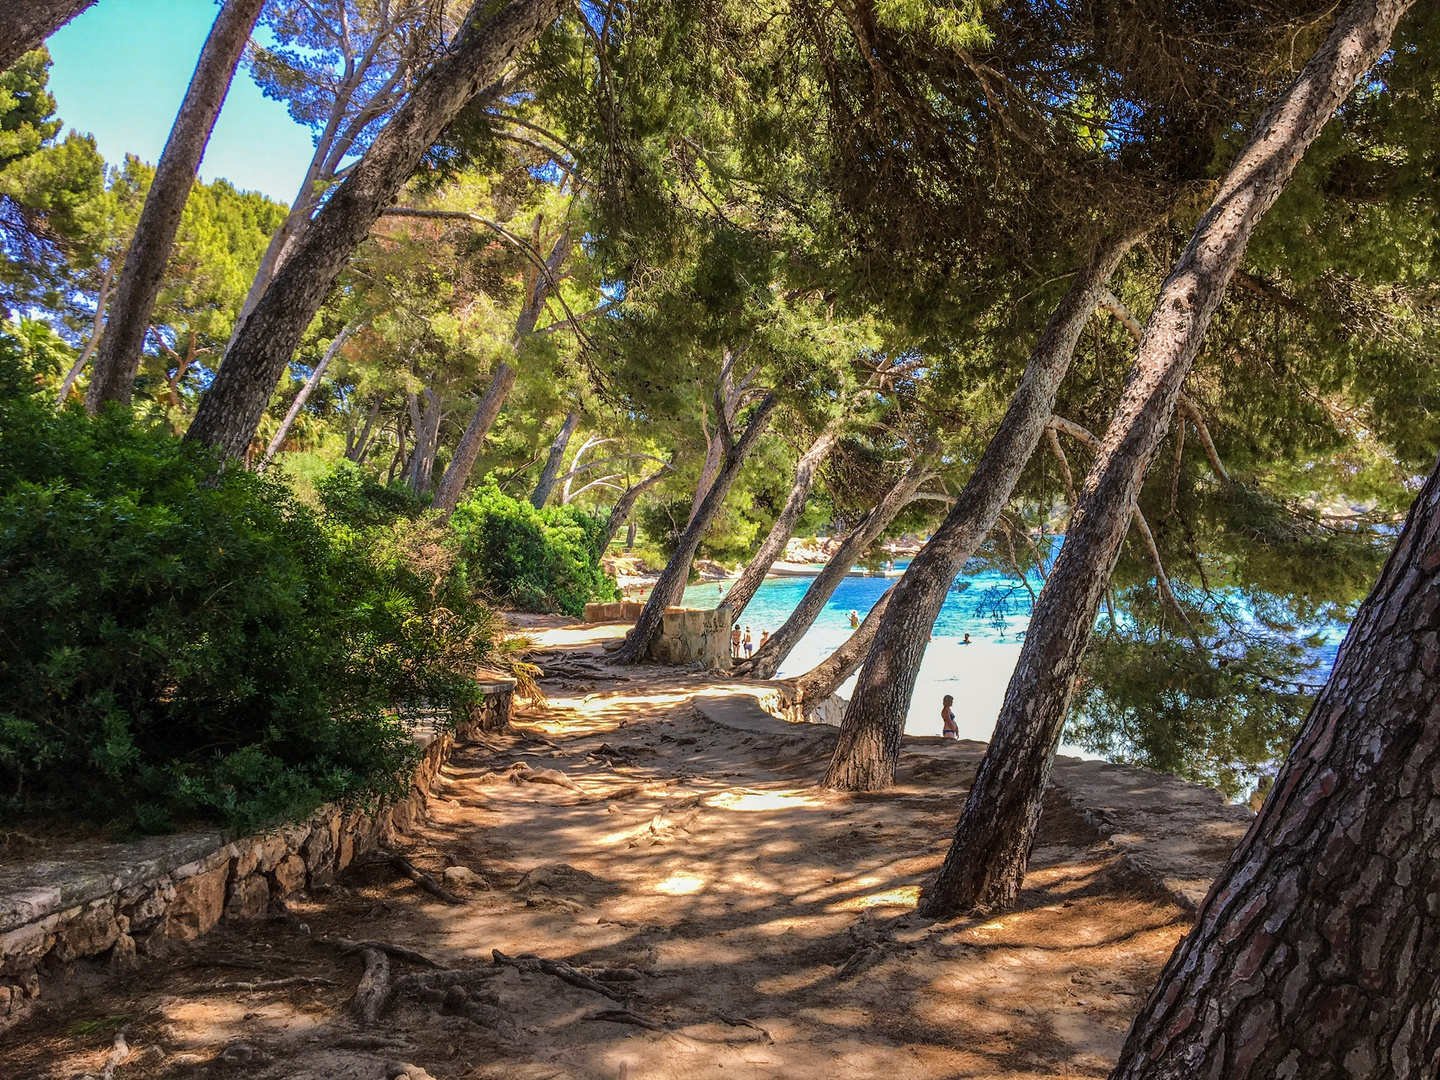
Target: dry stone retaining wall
<point>113,902</point>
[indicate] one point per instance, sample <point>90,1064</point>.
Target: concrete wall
<point>112,903</point>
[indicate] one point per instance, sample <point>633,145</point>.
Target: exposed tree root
<point>625,1016</point>
<point>373,993</point>
<point>268,984</point>
<point>399,952</point>
<point>531,964</point>
<point>740,1021</point>
<point>424,880</point>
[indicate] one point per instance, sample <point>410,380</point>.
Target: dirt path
<point>736,922</point>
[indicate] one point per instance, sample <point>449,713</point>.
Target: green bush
<point>535,560</point>
<point>181,644</point>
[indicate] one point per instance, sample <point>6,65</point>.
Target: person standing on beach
<point>951,730</point>
<point>764,637</point>
<point>749,645</point>
<point>735,642</point>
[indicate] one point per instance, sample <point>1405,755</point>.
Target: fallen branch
<point>531,964</point>
<point>424,880</point>
<point>271,984</point>
<point>373,992</point>
<point>399,952</point>
<point>625,1016</point>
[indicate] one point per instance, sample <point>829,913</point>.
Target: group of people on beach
<point>745,641</point>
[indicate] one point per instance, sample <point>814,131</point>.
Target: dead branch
<point>1192,413</point>
<point>424,880</point>
<point>531,964</point>
<point>1065,474</point>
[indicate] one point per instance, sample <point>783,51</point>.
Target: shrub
<point>535,560</point>
<point>180,642</point>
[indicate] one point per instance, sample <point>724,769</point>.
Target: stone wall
<point>113,903</point>
<point>693,636</point>
<point>614,611</point>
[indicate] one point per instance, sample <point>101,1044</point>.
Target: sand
<point>764,927</point>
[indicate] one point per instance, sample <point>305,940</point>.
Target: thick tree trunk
<point>118,358</point>
<point>301,398</point>
<point>231,409</point>
<point>555,460</point>
<point>826,677</point>
<point>626,503</point>
<point>427,440</point>
<point>772,654</point>
<point>457,473</point>
<point>25,24</point>
<point>987,859</point>
<point>1316,953</point>
<point>744,589</point>
<point>869,746</point>
<point>672,579</point>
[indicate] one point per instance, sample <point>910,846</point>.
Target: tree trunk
<point>97,330</point>
<point>555,460</point>
<point>714,455</point>
<point>826,677</point>
<point>356,453</point>
<point>427,440</point>
<point>231,409</point>
<point>772,654</point>
<point>987,859</point>
<point>452,484</point>
<point>626,503</point>
<point>1316,953</point>
<point>457,474</point>
<point>745,587</point>
<point>118,358</point>
<point>25,24</point>
<point>302,397</point>
<point>677,570</point>
<point>869,746</point>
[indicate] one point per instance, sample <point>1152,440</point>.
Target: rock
<point>289,876</point>
<point>199,903</point>
<point>399,1070</point>
<point>239,1052</point>
<point>319,856</point>
<point>5,995</point>
<point>269,852</point>
<point>90,931</point>
<point>464,877</point>
<point>144,906</point>
<point>249,897</point>
<point>122,953</point>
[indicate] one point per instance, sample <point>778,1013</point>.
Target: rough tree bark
<point>771,655</point>
<point>1316,953</point>
<point>745,587</point>
<point>25,24</point>
<point>987,859</point>
<point>555,460</point>
<point>457,473</point>
<point>118,358</point>
<point>427,439</point>
<point>672,579</point>
<point>869,746</point>
<point>302,397</point>
<point>231,409</point>
<point>826,677</point>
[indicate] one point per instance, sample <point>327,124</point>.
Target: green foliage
<point>1220,717</point>
<point>536,560</point>
<point>349,496</point>
<point>181,645</point>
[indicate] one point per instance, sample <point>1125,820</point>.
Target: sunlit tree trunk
<point>766,662</point>
<point>826,677</point>
<point>671,584</point>
<point>626,503</point>
<point>1316,953</point>
<point>426,422</point>
<point>25,24</point>
<point>987,859</point>
<point>869,745</point>
<point>302,397</point>
<point>118,358</point>
<point>554,460</point>
<point>231,409</point>
<point>744,589</point>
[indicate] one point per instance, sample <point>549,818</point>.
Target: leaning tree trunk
<point>302,397</point>
<point>25,24</point>
<point>626,503</point>
<point>457,473</point>
<point>555,460</point>
<point>1316,953</point>
<point>826,677</point>
<point>772,654</point>
<point>231,409</point>
<point>869,746</point>
<point>987,859</point>
<point>118,358</point>
<point>677,570</point>
<point>745,587</point>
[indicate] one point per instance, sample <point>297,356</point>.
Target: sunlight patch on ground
<point>903,896</point>
<point>750,801</point>
<point>681,885</point>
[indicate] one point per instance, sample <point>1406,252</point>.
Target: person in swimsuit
<point>735,642</point>
<point>947,714</point>
<point>747,642</point>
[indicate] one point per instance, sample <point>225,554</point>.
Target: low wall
<point>614,611</point>
<point>693,636</point>
<point>111,903</point>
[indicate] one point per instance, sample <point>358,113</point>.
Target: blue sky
<point>120,73</point>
